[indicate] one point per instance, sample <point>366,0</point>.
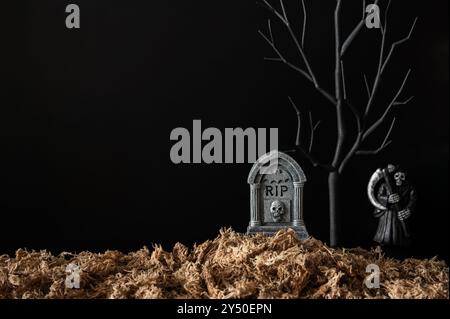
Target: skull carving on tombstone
<point>277,210</point>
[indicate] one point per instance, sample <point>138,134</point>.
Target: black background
<point>86,116</point>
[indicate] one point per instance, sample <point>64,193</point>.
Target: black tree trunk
<point>333,189</point>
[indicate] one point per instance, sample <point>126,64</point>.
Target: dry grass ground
<point>230,266</point>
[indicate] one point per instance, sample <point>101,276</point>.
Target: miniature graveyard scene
<point>276,195</point>
<point>394,200</point>
<point>140,154</point>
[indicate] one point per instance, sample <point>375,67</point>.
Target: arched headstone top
<point>273,162</point>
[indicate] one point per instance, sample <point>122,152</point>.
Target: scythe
<point>376,177</point>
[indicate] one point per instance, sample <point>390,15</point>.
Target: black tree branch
<point>355,31</point>
<point>309,74</point>
<point>386,142</point>
<point>307,154</point>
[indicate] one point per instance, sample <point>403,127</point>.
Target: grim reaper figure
<point>394,200</point>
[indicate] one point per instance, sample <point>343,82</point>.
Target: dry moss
<point>230,266</point>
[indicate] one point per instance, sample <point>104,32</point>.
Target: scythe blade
<point>376,177</point>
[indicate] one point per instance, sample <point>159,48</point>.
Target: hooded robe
<point>390,230</point>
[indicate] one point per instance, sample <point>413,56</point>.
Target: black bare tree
<point>339,100</point>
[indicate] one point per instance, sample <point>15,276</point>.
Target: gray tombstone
<point>276,195</point>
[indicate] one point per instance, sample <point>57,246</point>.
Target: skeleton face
<point>399,178</point>
<point>277,211</point>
